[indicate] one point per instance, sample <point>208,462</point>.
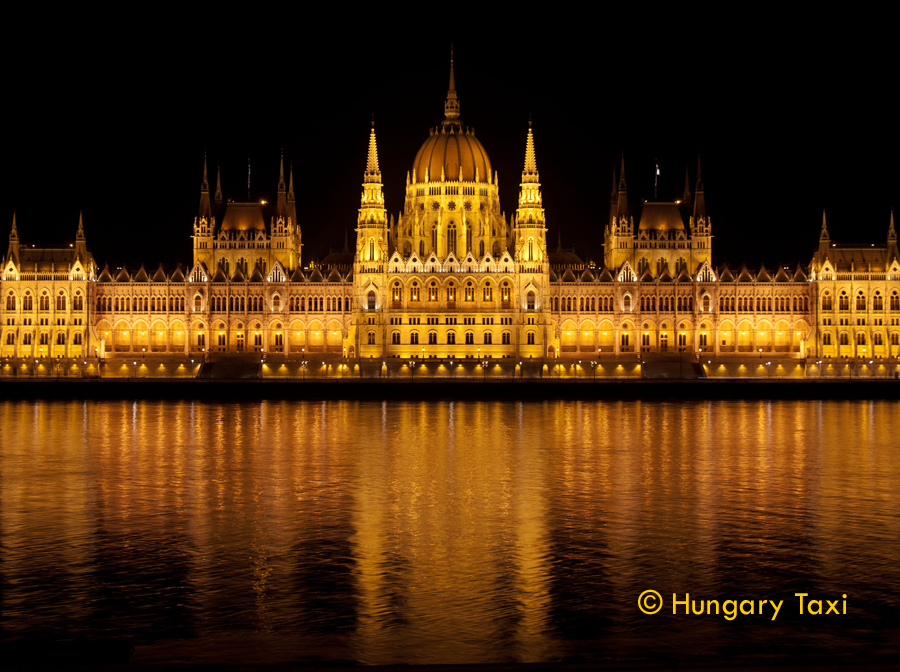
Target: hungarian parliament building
<point>451,278</point>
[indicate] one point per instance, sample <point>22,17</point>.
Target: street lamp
<point>484,365</point>
<point>412,369</point>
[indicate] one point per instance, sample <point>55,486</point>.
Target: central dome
<point>450,149</point>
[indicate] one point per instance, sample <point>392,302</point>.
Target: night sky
<point>787,121</point>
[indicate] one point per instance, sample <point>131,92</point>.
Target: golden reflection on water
<point>400,532</point>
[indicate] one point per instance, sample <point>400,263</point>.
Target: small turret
<point>892,251</point>
<point>80,243</point>
<point>13,252</point>
<point>281,204</point>
<point>205,209</point>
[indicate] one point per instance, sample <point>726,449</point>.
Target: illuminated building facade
<point>449,278</point>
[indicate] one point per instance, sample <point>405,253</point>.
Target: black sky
<point>788,120</point>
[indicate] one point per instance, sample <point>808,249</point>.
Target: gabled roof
<point>141,275</point>
<point>160,275</point>
<point>684,276</point>
<point>316,276</point>
<point>782,275</point>
<point>800,275</point>
<point>123,275</point>
<point>297,275</point>
<point>220,275</point>
<point>725,274</point>
<point>256,275</point>
<point>745,275</point>
<point>666,276</point>
<point>605,276</point>
<point>763,275</point>
<point>647,276</point>
<point>177,274</point>
<point>334,276</point>
<point>568,276</point>
<point>238,275</point>
<point>587,276</point>
<point>105,275</point>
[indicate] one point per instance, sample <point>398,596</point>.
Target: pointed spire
<point>622,174</point>
<point>530,160</point>
<point>218,185</point>
<point>204,185</point>
<point>13,251</point>
<point>451,105</point>
<point>79,235</point>
<point>205,210</point>
<point>373,173</point>
<point>290,193</point>
<point>281,186</point>
<point>892,232</point>
<point>687,187</point>
<point>622,215</point>
<point>281,203</point>
<point>699,175</point>
<point>823,234</point>
<point>14,232</point>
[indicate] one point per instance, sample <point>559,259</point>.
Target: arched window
<point>44,302</point>
<point>626,303</point>
<point>844,301</point>
<point>370,297</point>
<point>45,339</point>
<point>371,249</point>
<point>488,338</point>
<point>61,301</point>
<point>642,265</point>
<point>76,338</point>
<point>451,338</point>
<point>414,292</point>
<point>421,248</point>
<point>432,291</point>
<point>11,301</point>
<point>877,339</point>
<point>505,338</point>
<point>197,303</point>
<point>530,249</point>
<point>826,339</point>
<point>827,302</point>
<point>488,293</point>
<point>395,338</point>
<point>371,338</point>
<point>60,338</point>
<point>530,338</point>
<point>845,340</point>
<point>414,338</point>
<point>860,338</point>
<point>877,301</point>
<point>895,301</point>
<point>470,292</point>
<point>470,338</point>
<point>706,303</point>
<point>434,237</point>
<point>276,302</point>
<point>481,250</point>
<point>432,338</point>
<point>10,338</point>
<point>861,301</point>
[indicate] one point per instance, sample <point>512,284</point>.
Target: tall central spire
<point>451,105</point>
<point>530,173</point>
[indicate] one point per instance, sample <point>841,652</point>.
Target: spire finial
<point>79,235</point>
<point>892,232</point>
<point>14,233</point>
<point>622,173</point>
<point>823,234</point>
<point>451,106</point>
<point>281,186</point>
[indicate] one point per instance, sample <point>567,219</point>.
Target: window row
<point>469,338</point>
<point>844,339</point>
<point>43,338</point>
<point>861,302</point>
<point>44,302</point>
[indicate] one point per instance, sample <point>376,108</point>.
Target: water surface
<point>448,532</point>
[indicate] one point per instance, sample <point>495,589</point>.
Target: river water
<point>450,532</point>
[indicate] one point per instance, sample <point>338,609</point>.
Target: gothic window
<point>860,338</point>
<point>895,338</point>
<point>434,237</point>
<point>706,302</point>
<point>421,248</point>
<point>470,338</point>
<point>10,338</point>
<point>197,303</point>
<point>530,249</point>
<point>370,298</point>
<point>827,303</point>
<point>878,302</point>
<point>660,266</point>
<point>26,339</point>
<point>432,291</point>
<point>530,338</point>
<point>488,338</point>
<point>451,237</point>
<point>470,292</point>
<point>844,301</point>
<point>44,302</point>
<point>895,301</point>
<point>877,339</point>
<point>395,338</point>
<point>488,293</point>
<point>395,293</point>
<point>276,302</point>
<point>624,339</point>
<point>481,250</point>
<point>201,340</point>
<point>626,303</point>
<point>432,338</point>
<point>680,264</point>
<point>861,301</point>
<point>45,339</point>
<point>451,338</point>
<point>371,249</point>
<point>505,338</point>
<point>504,291</point>
<point>469,236</point>
<point>845,340</point>
<point>61,301</point>
<point>11,301</point>
<point>451,293</point>
<point>414,292</point>
<point>826,339</point>
<point>642,265</point>
<point>414,338</point>
<point>371,338</point>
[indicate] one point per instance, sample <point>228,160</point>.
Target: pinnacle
<point>530,160</point>
<point>372,163</point>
